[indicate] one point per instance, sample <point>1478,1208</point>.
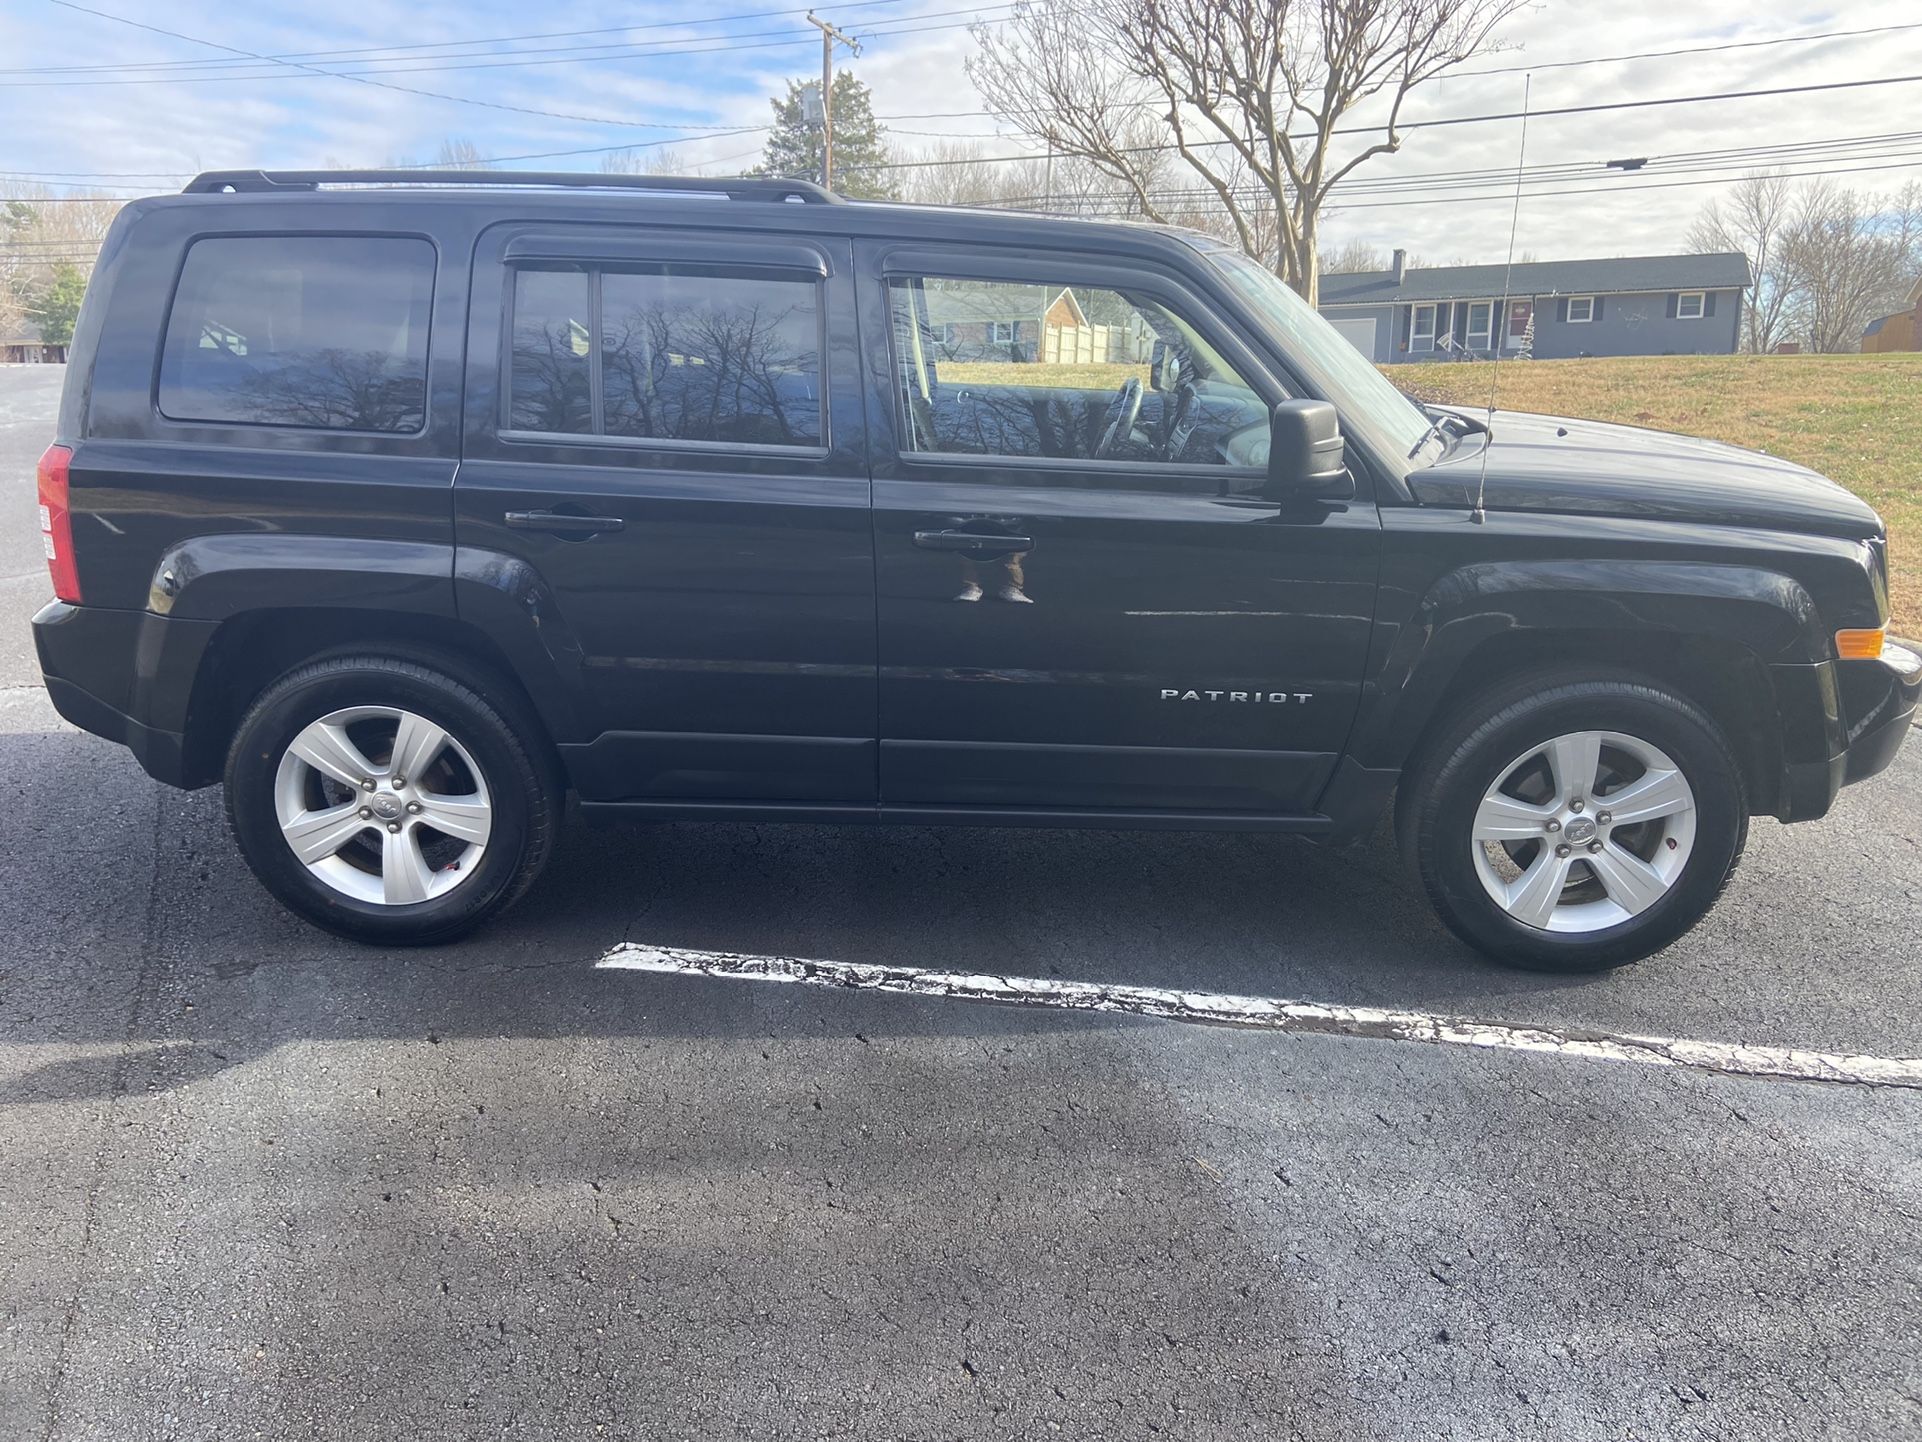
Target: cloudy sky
<point>168,106</point>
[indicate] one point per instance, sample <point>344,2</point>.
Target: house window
<point>1581,309</point>
<point>1520,313</point>
<point>1003,332</point>
<point>1689,305</point>
<point>1481,324</point>
<point>950,334</point>
<point>1421,335</point>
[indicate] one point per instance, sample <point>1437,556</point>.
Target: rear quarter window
<point>326,332</point>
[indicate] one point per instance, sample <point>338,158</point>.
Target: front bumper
<point>1843,721</point>
<point>127,676</point>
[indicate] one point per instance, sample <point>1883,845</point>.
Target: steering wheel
<point>1127,410</point>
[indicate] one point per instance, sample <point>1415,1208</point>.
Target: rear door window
<point>674,353</point>
<point>326,332</point>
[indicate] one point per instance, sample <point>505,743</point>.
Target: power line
<point>357,79</point>
<point>1438,123</point>
<point>1198,197</point>
<point>377,50</point>
<point>415,90</point>
<point>375,55</point>
<point>640,51</point>
<point>1830,151</point>
<point>225,70</point>
<point>1116,207</point>
<point>1683,50</point>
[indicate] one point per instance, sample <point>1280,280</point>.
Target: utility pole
<point>829,34</point>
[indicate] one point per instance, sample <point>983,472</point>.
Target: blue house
<point>1632,305</point>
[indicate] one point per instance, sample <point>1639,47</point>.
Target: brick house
<point>996,322</point>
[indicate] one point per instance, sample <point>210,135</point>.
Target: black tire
<point>1466,756</point>
<point>524,796</point>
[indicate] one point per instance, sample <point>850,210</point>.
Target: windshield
<point>1368,404</point>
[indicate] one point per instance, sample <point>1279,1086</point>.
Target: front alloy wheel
<point>1584,831</point>
<point>1574,823</point>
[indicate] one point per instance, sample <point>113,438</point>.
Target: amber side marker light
<point>1859,645</point>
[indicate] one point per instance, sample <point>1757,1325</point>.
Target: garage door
<point>1359,333</point>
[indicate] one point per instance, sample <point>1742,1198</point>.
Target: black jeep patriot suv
<point>408,503</point>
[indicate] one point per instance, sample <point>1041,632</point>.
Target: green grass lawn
<point>1856,418</point>
<point>1099,376</point>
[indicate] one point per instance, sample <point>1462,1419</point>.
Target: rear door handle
<point>971,541</point>
<point>563,523</point>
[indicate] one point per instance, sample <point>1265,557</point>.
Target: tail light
<point>56,523</point>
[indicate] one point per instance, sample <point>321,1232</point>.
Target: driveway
<point>258,1182</point>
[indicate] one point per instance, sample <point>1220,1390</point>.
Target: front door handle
<point>563,523</point>
<point>971,541</point>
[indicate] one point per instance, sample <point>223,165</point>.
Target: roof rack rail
<point>215,182</point>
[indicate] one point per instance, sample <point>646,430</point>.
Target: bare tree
<point>1753,219</point>
<point>957,172</point>
<point>36,238</point>
<point>1352,257</point>
<point>1250,93</point>
<point>1851,258</point>
<point>646,160</point>
<point>13,315</point>
<point>459,153</point>
<point>960,172</point>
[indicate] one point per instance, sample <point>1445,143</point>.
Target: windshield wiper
<point>1439,423</point>
<point>1433,432</point>
<point>1471,425</point>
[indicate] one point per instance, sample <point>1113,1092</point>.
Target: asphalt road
<point>256,1182</point>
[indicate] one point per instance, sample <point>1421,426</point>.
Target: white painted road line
<point>1276,1014</point>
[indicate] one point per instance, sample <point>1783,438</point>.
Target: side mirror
<point>1306,455</point>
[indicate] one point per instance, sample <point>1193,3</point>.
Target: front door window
<point>1109,375</point>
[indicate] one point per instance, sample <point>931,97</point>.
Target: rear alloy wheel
<point>1575,826</point>
<point>388,801</point>
<point>404,828</point>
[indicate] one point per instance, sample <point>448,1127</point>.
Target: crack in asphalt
<point>1278,1014</point>
<point>145,985</point>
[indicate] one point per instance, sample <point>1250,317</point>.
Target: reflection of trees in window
<point>1018,421</point>
<point>711,359</point>
<point>548,386</point>
<point>326,332</point>
<point>367,390</point>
